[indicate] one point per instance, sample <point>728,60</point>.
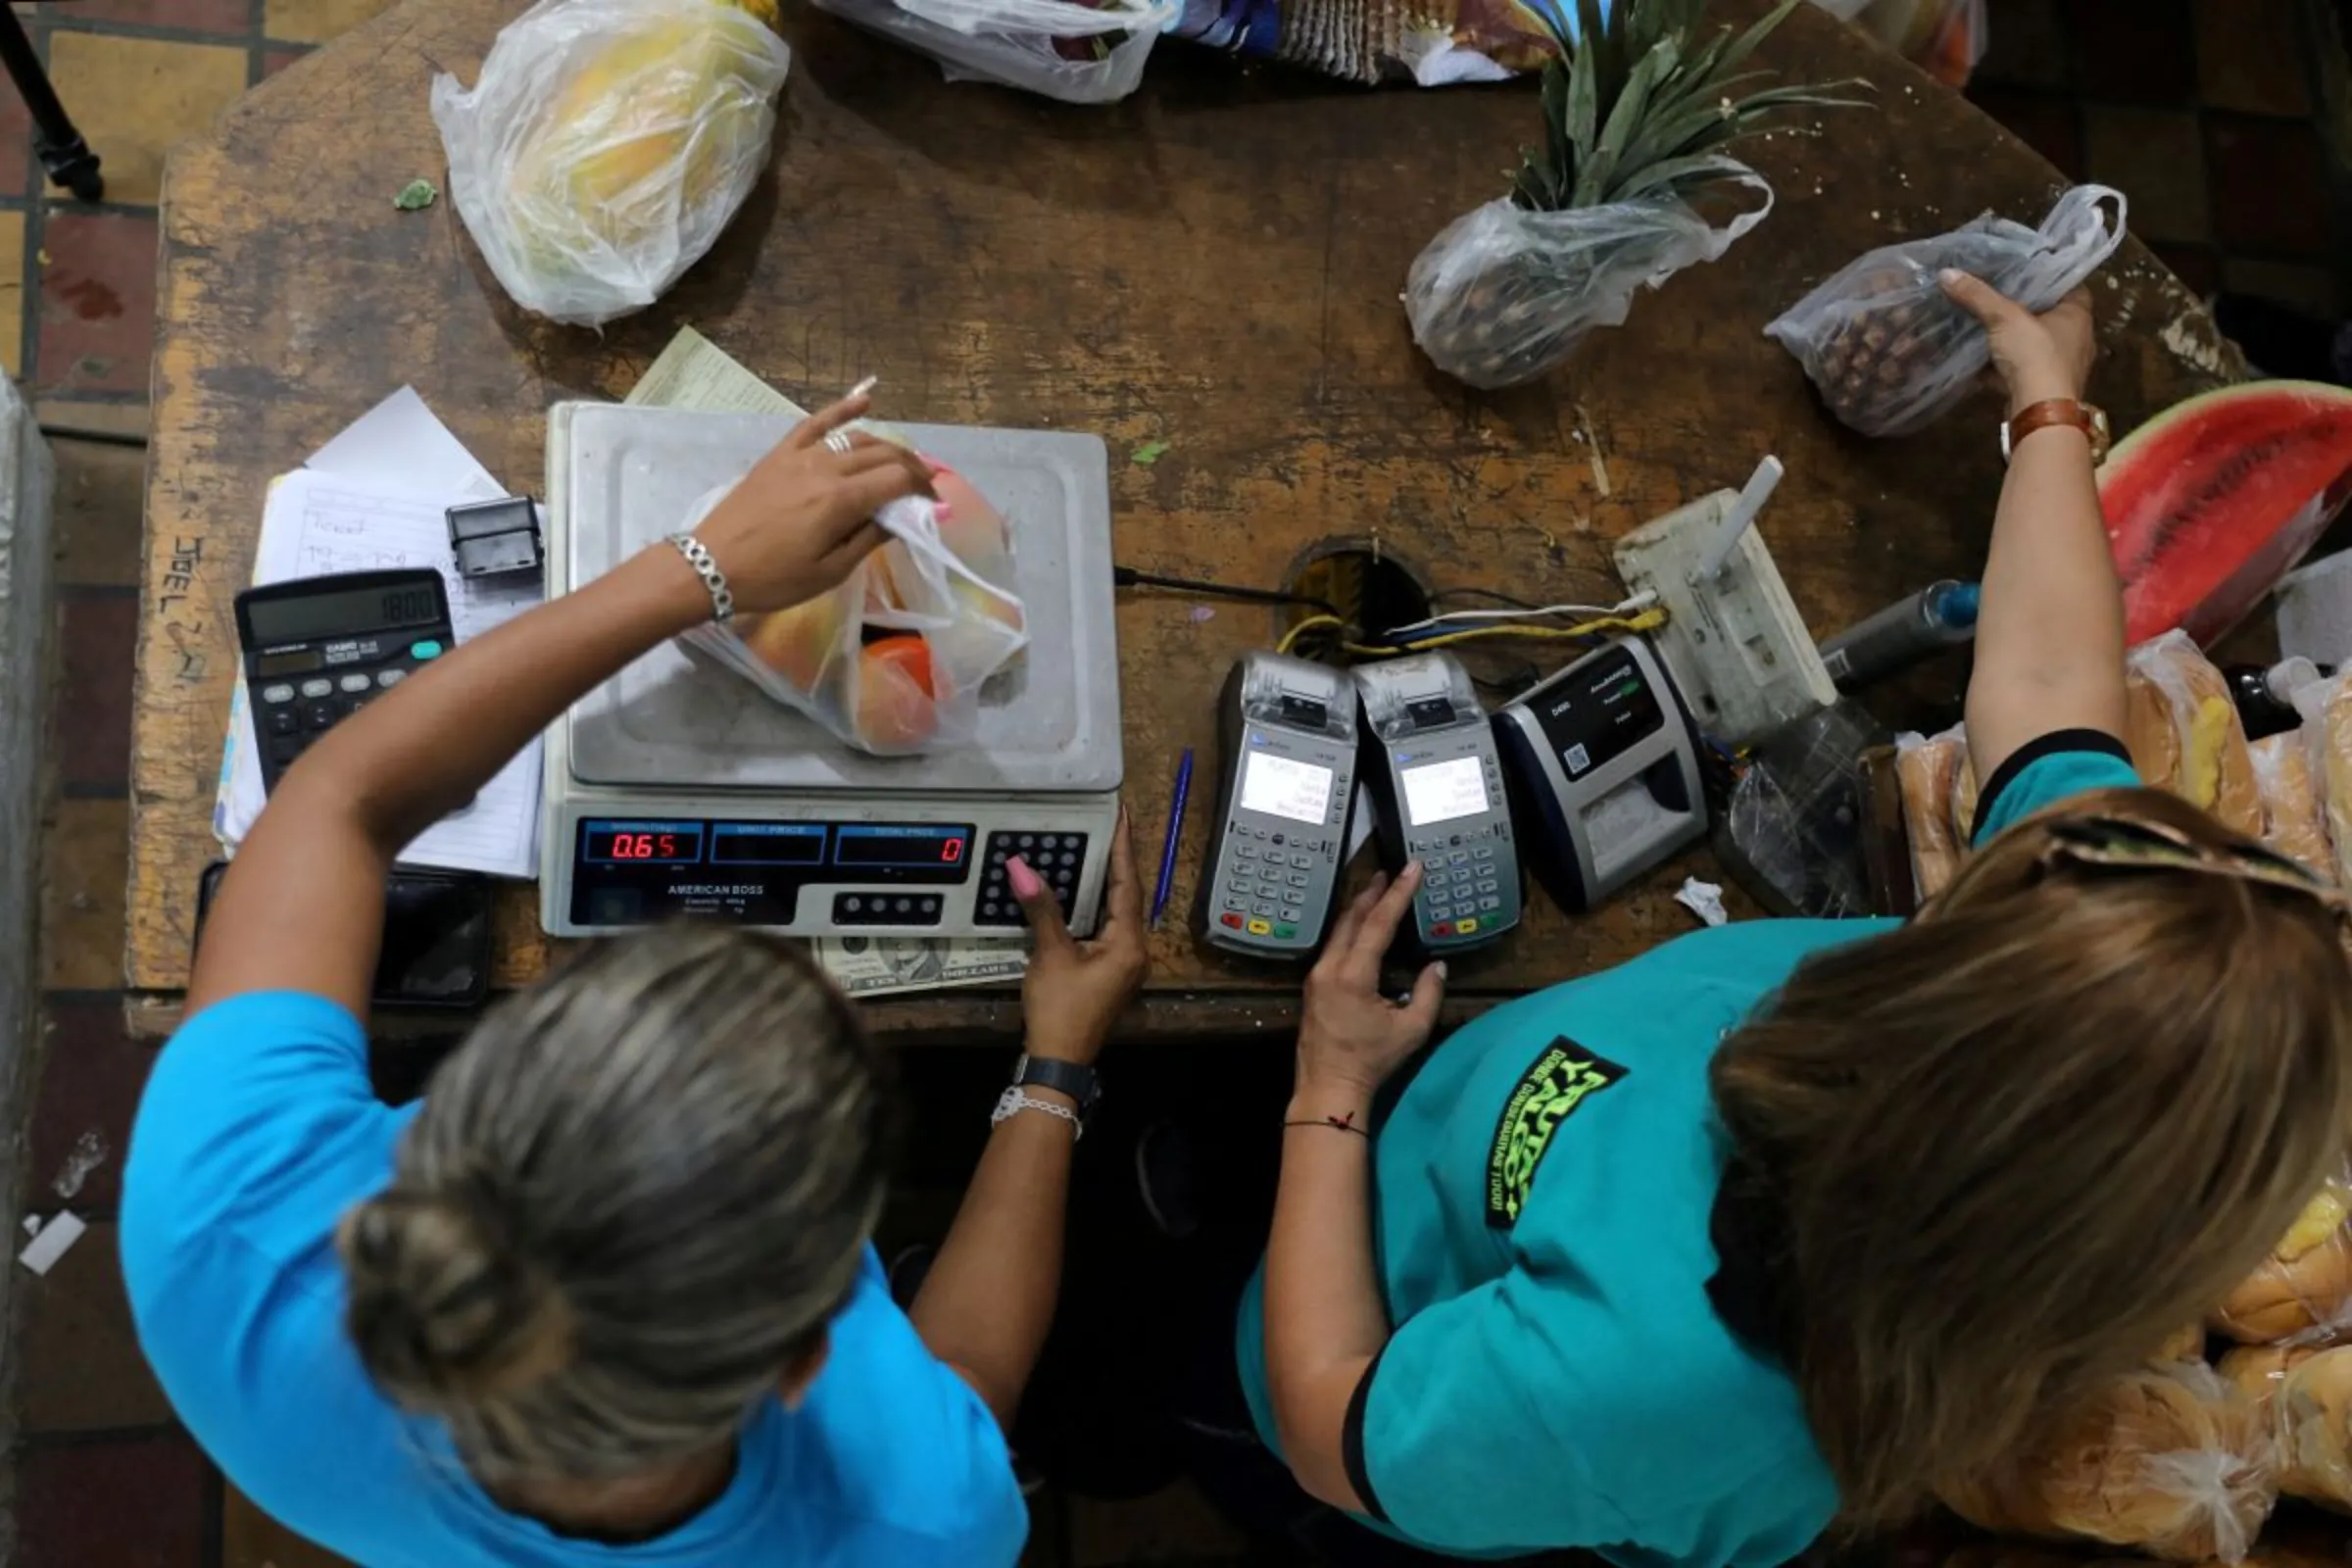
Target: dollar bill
<point>881,965</point>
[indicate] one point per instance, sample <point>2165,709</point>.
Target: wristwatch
<point>1082,1084</point>
<point>2090,420</point>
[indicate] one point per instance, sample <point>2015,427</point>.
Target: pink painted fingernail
<point>1026,884</point>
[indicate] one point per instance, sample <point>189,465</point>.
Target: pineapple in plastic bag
<point>608,142</point>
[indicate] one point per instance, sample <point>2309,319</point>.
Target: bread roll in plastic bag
<point>2184,734</point>
<point>1888,348</point>
<point>1505,294</point>
<point>2294,820</point>
<point>608,142</point>
<point>2326,710</point>
<point>2302,1292</point>
<point>894,660</point>
<point>2172,1460</point>
<point>1928,769</point>
<point>2308,1394</point>
<point>1065,49</point>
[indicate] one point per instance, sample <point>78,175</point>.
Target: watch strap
<point>2091,422</point>
<point>1082,1084</point>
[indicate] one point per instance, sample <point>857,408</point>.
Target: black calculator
<point>320,649</point>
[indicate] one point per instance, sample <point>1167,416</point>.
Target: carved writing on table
<point>179,577</point>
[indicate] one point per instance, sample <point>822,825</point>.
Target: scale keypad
<point>1469,882</point>
<point>1267,877</point>
<point>886,908</point>
<point>1058,858</point>
<point>290,716</point>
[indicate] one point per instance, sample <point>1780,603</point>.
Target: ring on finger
<point>838,442</point>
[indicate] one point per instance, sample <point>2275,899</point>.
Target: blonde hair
<point>1987,1160</point>
<point>627,1209</point>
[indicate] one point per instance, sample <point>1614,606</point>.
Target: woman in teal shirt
<point>1776,1230</point>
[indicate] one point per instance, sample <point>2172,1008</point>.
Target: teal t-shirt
<point>1557,1375</point>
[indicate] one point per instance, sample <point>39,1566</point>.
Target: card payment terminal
<point>1436,780</point>
<point>1285,789</point>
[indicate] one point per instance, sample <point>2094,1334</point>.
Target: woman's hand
<point>802,518</point>
<point>1074,991</point>
<point>1350,1037</point>
<point>2039,357</point>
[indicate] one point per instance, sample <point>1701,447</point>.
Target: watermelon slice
<point>2213,500</point>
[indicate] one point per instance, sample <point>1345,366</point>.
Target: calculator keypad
<point>1058,858</point>
<point>289,716</point>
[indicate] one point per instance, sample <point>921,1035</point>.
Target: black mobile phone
<point>436,947</point>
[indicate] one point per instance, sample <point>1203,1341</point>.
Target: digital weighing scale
<point>677,788</point>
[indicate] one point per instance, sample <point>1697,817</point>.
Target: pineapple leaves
<point>1601,160</point>
<point>1635,107</point>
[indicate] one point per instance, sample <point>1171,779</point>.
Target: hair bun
<point>442,1306</point>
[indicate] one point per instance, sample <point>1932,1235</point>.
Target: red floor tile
<point>134,1504</point>
<point>2269,185</point>
<point>233,18</point>
<point>2134,51</point>
<point>2045,122</point>
<point>92,1075</point>
<point>97,317</point>
<point>274,60</point>
<point>91,719</point>
<point>82,1370</point>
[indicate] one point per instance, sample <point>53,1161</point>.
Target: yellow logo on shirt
<point>1563,1079</point>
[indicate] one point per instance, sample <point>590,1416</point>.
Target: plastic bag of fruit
<point>608,142</point>
<point>894,660</point>
<point>1504,293</point>
<point>1890,354</point>
<point>1078,52</point>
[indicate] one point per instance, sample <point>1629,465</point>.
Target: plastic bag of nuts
<point>1889,354</point>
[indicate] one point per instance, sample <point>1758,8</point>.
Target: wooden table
<point>1214,264</point>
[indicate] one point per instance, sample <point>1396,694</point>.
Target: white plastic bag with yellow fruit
<point>894,660</point>
<point>608,142</point>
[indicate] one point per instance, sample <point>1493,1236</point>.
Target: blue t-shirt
<point>258,1130</point>
<point>1557,1375</point>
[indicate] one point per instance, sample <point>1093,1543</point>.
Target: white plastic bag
<point>1890,354</point>
<point>1065,49</point>
<point>1504,295</point>
<point>606,144</point>
<point>894,660</point>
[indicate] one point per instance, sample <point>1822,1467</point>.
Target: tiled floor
<point>2195,107</point>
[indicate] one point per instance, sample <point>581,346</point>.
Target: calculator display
<point>308,618</point>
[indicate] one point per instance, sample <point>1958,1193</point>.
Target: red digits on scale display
<point>644,847</point>
<point>950,851</point>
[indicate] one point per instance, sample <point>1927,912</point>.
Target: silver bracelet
<point>698,556</point>
<point>1011,1103</point>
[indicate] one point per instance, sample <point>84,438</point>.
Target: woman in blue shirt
<point>607,1296</point>
<point>1782,1227</point>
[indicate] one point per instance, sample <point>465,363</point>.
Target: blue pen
<point>1168,854</point>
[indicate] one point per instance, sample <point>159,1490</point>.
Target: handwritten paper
<point>319,522</point>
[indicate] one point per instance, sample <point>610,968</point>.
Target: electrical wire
<point>1633,606</point>
<point>1583,631</point>
<point>1289,639</point>
<point>1129,577</point>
